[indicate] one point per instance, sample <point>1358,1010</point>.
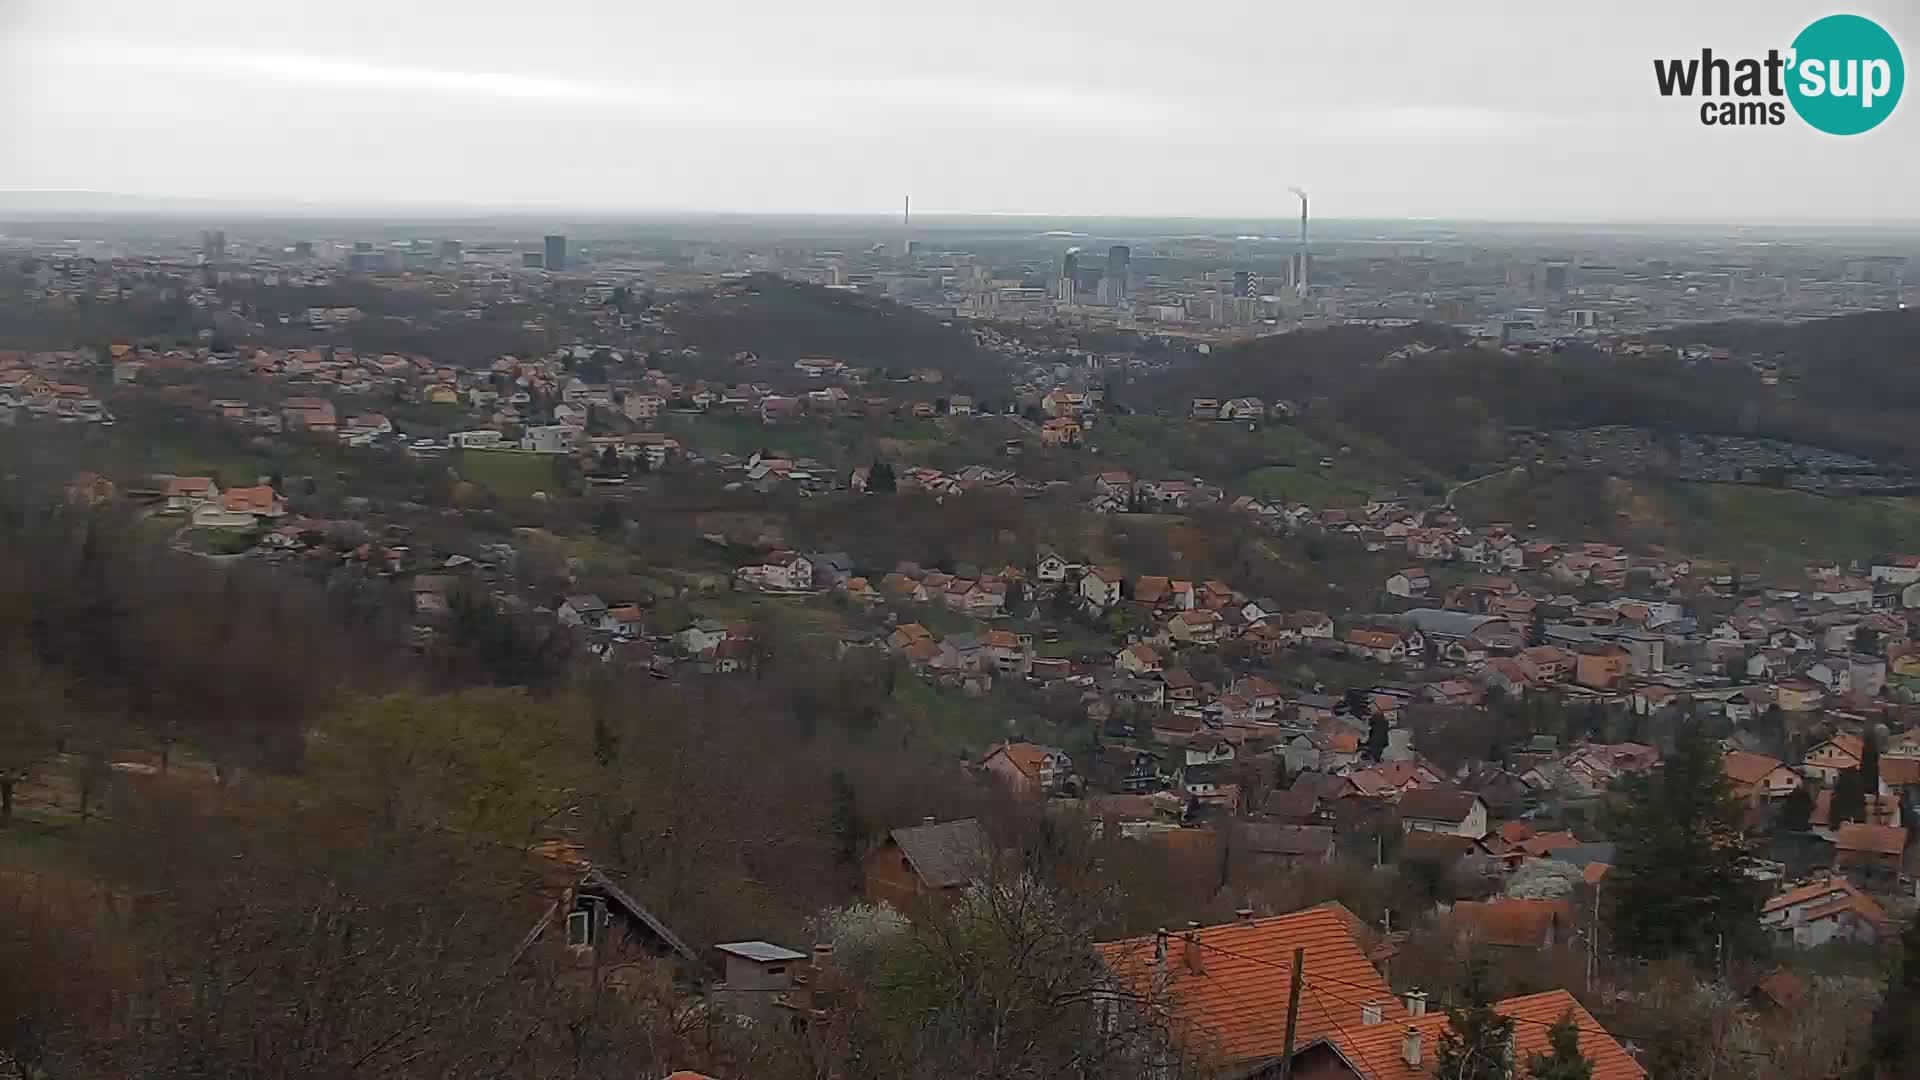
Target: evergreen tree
<point>1796,810</point>
<point>1870,763</point>
<point>849,832</point>
<point>1061,605</point>
<point>1476,1042</point>
<point>1894,1043</point>
<point>880,479</point>
<point>1564,1061</point>
<point>1849,797</point>
<point>1679,884</point>
<point>1866,640</point>
<point>1016,595</point>
<point>1376,737</point>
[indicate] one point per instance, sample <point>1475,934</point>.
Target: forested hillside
<point>782,321</point>
<point>1847,384</point>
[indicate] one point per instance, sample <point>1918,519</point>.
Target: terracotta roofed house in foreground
<point>1225,989</point>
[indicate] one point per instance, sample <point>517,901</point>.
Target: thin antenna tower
<point>906,227</point>
<point>1300,279</point>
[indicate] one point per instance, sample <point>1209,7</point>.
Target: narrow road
<point>1463,485</point>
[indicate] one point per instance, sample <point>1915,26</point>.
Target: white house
<point>550,439</point>
<point>1051,569</point>
<point>1410,582</point>
<point>584,609</point>
<point>702,637</point>
<point>1457,813</point>
<point>782,570</point>
<point>1100,587</point>
<point>1822,912</point>
<point>1831,758</point>
<point>186,492</point>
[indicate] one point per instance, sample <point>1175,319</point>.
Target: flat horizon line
<point>15,201</point>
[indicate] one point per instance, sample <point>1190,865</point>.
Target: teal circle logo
<point>1846,75</point>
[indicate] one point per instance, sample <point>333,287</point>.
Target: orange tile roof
<point>1515,923</point>
<point>1876,839</point>
<point>1849,744</point>
<point>1801,894</point>
<point>1546,843</point>
<point>1863,906</point>
<point>1744,768</point>
<point>1025,757</point>
<point>188,485</point>
<point>1899,771</point>
<point>1230,1005</point>
<point>1375,1049</point>
<point>257,500</point>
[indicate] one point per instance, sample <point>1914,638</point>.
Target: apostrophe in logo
<point>1846,74</point>
<point>1842,75</point>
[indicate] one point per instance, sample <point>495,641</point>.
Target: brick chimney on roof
<point>1196,964</point>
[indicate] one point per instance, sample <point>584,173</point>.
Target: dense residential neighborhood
<point>750,677</point>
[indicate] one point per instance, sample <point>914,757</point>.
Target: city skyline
<point>1519,116</point>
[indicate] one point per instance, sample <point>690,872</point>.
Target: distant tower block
<point>1119,281</point>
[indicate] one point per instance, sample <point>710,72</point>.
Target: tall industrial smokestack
<point>1300,279</point>
<point>906,228</point>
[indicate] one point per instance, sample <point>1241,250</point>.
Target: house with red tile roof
<point>1028,769</point>
<point>1829,759</point>
<point>1514,924</point>
<point>1825,910</point>
<point>1225,988</point>
<point>1870,854</point>
<point>186,492</point>
<point>1540,845</point>
<point>1756,778</point>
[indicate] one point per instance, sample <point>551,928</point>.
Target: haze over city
<point>1485,111</point>
<point>722,540</point>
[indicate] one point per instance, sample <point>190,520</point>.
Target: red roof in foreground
<point>1374,1049</point>
<point>1228,1006</point>
<point>1228,995</point>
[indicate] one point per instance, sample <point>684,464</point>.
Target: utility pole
<point>1293,1012</point>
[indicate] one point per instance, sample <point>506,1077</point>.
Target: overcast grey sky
<point>1397,108</point>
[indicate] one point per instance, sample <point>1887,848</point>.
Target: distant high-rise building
<point>303,249</point>
<point>1246,284</point>
<point>452,251</point>
<point>532,260</point>
<point>1119,267</point>
<point>1069,271</point>
<point>1555,277</point>
<point>213,245</point>
<point>556,258</point>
